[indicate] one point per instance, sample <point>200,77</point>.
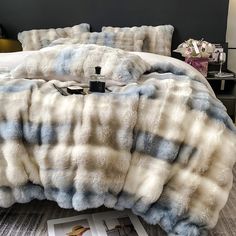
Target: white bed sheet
<point>8,61</point>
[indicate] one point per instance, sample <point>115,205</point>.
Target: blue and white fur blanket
<point>162,145</point>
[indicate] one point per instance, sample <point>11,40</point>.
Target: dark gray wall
<point>191,18</point>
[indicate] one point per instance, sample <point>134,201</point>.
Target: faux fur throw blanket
<point>162,146</point>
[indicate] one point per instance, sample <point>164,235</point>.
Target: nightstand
<point>10,45</point>
<point>225,90</point>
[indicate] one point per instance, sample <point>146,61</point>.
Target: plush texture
<point>79,61</point>
<point>157,40</point>
<point>39,38</point>
<point>162,145</point>
<point>129,41</point>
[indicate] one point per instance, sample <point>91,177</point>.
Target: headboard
<point>191,18</point>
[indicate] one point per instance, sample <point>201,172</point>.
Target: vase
<point>201,64</point>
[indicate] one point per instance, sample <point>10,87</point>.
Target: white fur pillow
<point>129,41</point>
<point>158,39</point>
<point>39,38</point>
<point>78,62</point>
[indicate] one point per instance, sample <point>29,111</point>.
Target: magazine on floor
<point>110,223</point>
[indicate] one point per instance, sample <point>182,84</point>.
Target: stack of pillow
<point>153,39</point>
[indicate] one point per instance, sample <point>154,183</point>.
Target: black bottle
<point>97,84</point>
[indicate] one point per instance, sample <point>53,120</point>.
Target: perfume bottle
<point>97,84</point>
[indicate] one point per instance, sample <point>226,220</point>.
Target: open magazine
<point>110,223</point>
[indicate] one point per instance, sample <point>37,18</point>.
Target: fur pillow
<point>158,39</point>
<point>39,38</point>
<point>78,61</point>
<point>129,41</point>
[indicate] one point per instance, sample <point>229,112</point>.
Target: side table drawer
<point>230,105</point>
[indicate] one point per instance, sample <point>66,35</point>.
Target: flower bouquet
<point>196,53</point>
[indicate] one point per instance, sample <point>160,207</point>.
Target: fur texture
<point>39,38</point>
<point>129,41</point>
<point>162,146</point>
<point>157,39</point>
<point>79,61</point>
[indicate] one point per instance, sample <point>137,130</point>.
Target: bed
<point>158,141</point>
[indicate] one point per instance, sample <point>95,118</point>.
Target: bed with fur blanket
<point>159,142</point>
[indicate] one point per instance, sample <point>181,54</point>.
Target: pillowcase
<point>129,41</point>
<point>158,39</point>
<point>79,61</point>
<point>37,39</point>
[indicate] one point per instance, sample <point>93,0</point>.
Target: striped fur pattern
<point>162,146</point>
<point>39,38</point>
<point>79,61</point>
<point>157,39</point>
<point>127,40</point>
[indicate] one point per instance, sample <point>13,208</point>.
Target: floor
<point>31,219</point>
